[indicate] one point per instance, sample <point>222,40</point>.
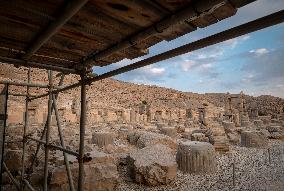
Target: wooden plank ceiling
<point>98,25</point>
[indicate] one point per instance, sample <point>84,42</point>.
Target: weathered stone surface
<point>276,135</point>
<point>133,137</point>
<point>100,174</point>
<point>13,159</point>
<point>150,139</point>
<point>221,144</point>
<point>245,124</point>
<point>199,137</point>
<point>233,137</point>
<point>229,127</point>
<point>153,165</point>
<point>274,128</point>
<point>208,132</point>
<point>253,139</point>
<point>103,138</point>
<point>275,132</point>
<point>180,128</point>
<point>169,131</point>
<point>122,133</point>
<point>265,119</point>
<point>196,157</point>
<point>258,123</point>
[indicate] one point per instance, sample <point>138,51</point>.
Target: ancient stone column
<point>255,139</point>
<point>228,107</point>
<point>202,117</point>
<point>189,113</point>
<point>196,157</point>
<point>103,138</point>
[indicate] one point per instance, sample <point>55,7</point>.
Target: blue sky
<point>253,63</point>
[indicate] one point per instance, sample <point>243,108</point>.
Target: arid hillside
<point>117,94</point>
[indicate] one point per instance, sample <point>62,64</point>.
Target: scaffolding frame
<point>53,92</point>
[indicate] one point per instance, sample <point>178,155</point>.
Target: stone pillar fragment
<point>103,138</point>
<point>196,157</point>
<point>254,139</point>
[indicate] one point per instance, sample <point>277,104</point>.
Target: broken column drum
<point>153,165</point>
<point>196,157</point>
<point>102,138</point>
<point>254,139</point>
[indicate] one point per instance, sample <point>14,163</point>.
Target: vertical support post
<point>71,185</point>
<point>234,176</point>
<point>82,133</point>
<point>25,131</point>
<point>44,130</point>
<point>3,123</point>
<point>48,131</point>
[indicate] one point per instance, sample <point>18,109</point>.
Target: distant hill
<point>112,93</point>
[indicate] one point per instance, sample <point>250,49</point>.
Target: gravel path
<point>253,172</point>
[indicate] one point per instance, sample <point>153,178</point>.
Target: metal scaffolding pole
<point>82,133</point>
<point>11,177</point>
<point>25,131</point>
<point>29,185</point>
<point>51,146</point>
<point>44,129</point>
<point>28,84</point>
<point>19,62</point>
<point>45,187</point>
<point>3,115</point>
<point>19,95</point>
<point>70,180</point>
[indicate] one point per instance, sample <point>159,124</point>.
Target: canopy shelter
<point>72,36</point>
<point>77,33</point>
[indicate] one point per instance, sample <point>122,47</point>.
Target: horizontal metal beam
<point>19,62</point>
<point>243,29</point>
<point>20,95</point>
<point>55,147</point>
<point>258,24</point>
<point>27,84</point>
<point>23,84</point>
<point>69,10</point>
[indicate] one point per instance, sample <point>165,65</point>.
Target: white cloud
<point>187,65</point>
<point>259,52</point>
<point>206,66</point>
<point>156,70</point>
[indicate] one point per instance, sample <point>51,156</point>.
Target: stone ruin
<point>152,143</point>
